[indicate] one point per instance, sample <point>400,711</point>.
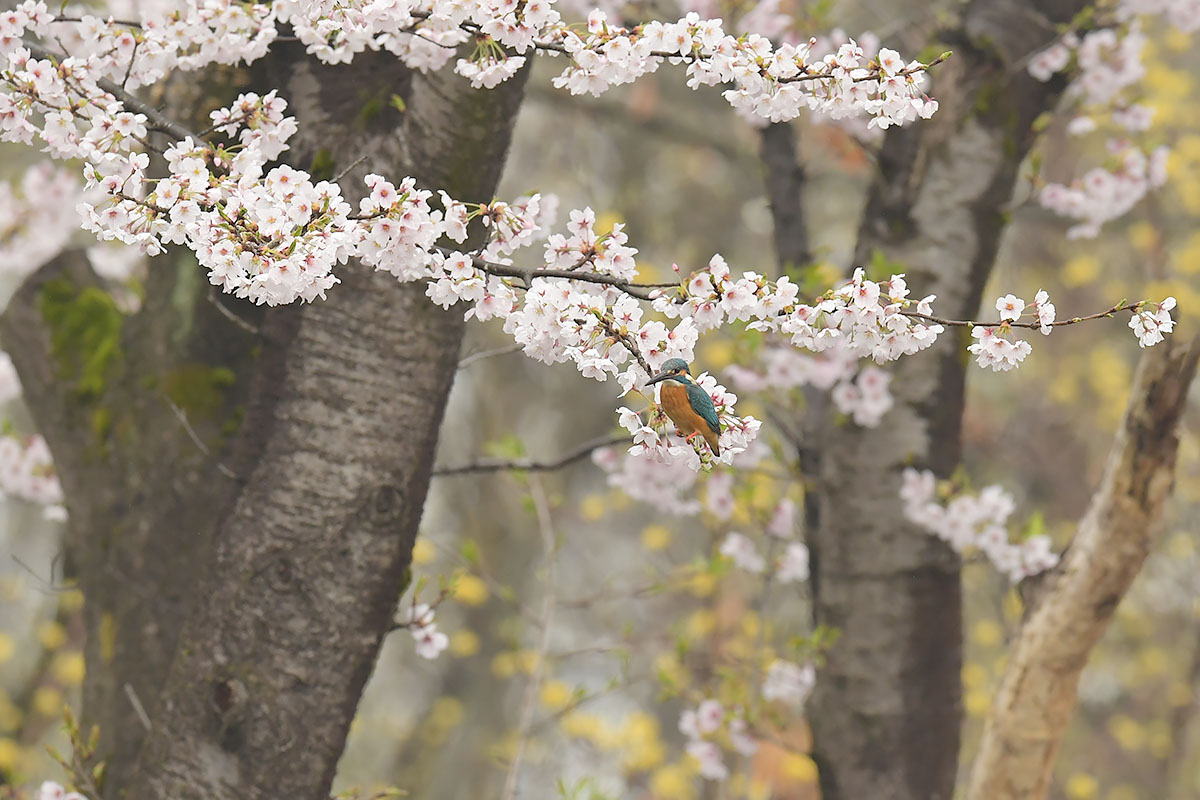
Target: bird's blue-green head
<point>675,369</point>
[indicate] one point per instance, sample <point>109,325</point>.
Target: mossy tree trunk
<point>886,713</point>
<point>240,569</point>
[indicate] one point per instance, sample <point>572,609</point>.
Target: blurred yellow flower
<point>656,537</point>
<point>701,623</point>
<point>799,767</point>
<point>504,665</point>
<point>47,701</point>
<point>470,590</point>
<point>672,782</point>
<point>423,552</point>
<point>52,635</point>
<point>447,713</point>
<point>69,668</point>
<point>10,754</point>
<point>702,584</point>
<point>974,676</point>
<point>580,725</point>
<point>555,695</point>
<point>987,632</point>
<point>1081,786</point>
<point>70,601</point>
<point>464,643</point>
<point>592,507</point>
<point>977,702</point>
<point>1127,732</point>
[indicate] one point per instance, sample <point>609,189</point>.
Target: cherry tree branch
<point>642,291</point>
<point>541,505</point>
<point>962,323</point>
<point>158,121</point>
<point>529,465</point>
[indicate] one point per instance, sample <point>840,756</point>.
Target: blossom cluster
<point>789,682</point>
<point>1152,321</point>
<point>26,468</point>
<point>1103,195</point>
<point>975,522</point>
<point>1108,68</point>
<point>27,473</point>
<point>276,235</point>
<point>703,725</point>
<point>774,83</point>
<point>710,725</point>
<point>49,790</point>
<point>418,618</point>
<point>651,440</point>
<point>860,392</point>
<point>33,228</point>
<point>995,346</point>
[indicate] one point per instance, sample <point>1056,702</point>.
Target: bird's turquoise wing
<point>702,404</point>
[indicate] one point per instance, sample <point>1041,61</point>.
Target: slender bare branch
<point>529,465</point>
<point>157,120</point>
<point>546,528</point>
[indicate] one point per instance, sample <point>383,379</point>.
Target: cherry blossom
<point>428,640</point>
<point>1010,307</point>
<point>33,228</point>
<point>10,384</point>
<point>793,565</point>
<point>49,790</point>
<point>975,523</point>
<point>788,682</point>
<point>1150,325</point>
<point>1108,70</point>
<point>708,720</point>
<point>742,552</point>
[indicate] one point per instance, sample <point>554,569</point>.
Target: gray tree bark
<point>784,177</point>
<point>887,709</point>
<point>245,613</point>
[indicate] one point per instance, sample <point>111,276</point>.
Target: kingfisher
<point>687,404</point>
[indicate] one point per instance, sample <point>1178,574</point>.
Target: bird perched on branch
<point>687,404</point>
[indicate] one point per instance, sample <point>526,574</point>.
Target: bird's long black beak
<point>662,376</point>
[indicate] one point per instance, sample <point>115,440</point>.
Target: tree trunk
<point>1037,693</point>
<point>311,561</point>
<point>887,709</point>
<point>143,496</point>
<point>784,175</point>
<point>283,540</point>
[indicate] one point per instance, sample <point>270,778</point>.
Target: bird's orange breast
<point>674,398</point>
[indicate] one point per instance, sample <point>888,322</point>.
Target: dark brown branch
<point>963,323</point>
<point>158,121</point>
<point>529,465</point>
<point>785,191</point>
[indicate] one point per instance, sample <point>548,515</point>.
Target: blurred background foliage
<point>645,615</point>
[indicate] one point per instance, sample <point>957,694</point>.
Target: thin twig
<point>158,120</point>
<point>468,360</point>
<point>965,323</point>
<point>138,708</point>
<point>232,317</point>
<point>546,529</point>
<point>642,291</point>
<point>124,23</point>
<point>132,58</point>
<point>529,465</point>
<point>344,172</point>
<point>187,426</point>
